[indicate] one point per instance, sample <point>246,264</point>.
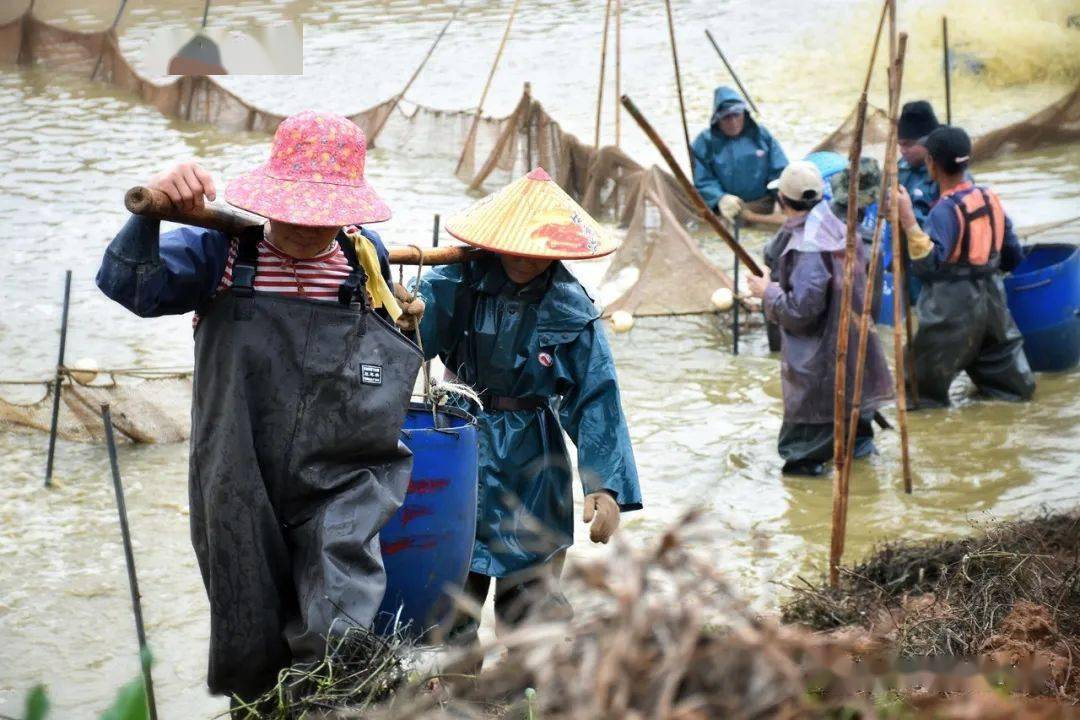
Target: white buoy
<point>722,299</point>
<point>622,321</point>
<point>84,370</point>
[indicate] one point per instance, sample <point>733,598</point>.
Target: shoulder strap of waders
<point>352,288</point>
<point>243,273</point>
<point>247,261</point>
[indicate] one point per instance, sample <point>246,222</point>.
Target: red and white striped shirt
<point>317,278</point>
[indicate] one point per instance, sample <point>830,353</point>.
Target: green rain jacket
<point>540,339</point>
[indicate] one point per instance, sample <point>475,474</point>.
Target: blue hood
<point>724,95</point>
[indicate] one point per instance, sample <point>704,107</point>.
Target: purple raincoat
<point>804,300</point>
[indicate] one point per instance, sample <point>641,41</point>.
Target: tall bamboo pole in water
<point>839,510</point>
<point>412,78</point>
<point>487,86</point>
<point>603,65</point>
<point>895,77</point>
<point>945,60</point>
<point>129,559</point>
<point>618,72</point>
<point>678,84</point>
<point>58,382</point>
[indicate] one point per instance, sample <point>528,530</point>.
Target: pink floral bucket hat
<point>314,177</point>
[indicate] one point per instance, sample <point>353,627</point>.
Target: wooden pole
<point>600,85</point>
<point>112,28</point>
<point>899,311</point>
<point>618,72</point>
<point>678,83</point>
<point>948,70</point>
<point>731,71</point>
<point>735,293</point>
<point>895,79</point>
<point>528,128</point>
<point>156,204</point>
<point>416,73</point>
<point>487,85</point>
<point>58,381</point>
<point>839,510</point>
<point>688,187</point>
<point>129,558</point>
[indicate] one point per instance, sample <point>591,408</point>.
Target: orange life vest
<point>981,225</point>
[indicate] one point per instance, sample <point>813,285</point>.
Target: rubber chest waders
<point>296,464</point>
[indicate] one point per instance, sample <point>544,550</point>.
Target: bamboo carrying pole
<point>416,73</point>
<point>618,72</point>
<point>839,510</point>
<point>678,83</point>
<point>156,204</point>
<point>58,381</point>
<point>129,558</point>
<point>487,86</point>
<point>600,84</point>
<point>895,83</point>
<point>731,71</point>
<point>691,192</point>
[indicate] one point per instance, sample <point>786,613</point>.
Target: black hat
<point>950,146</point>
<point>917,120</point>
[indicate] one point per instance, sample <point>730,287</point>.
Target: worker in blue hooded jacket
<point>735,158</point>
<point>517,327</point>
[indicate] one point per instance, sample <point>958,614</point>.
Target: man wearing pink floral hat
<point>300,391</point>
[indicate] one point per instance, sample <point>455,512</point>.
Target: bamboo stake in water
<point>735,292</point>
<point>105,37</point>
<point>129,558</point>
<point>487,86</point>
<point>600,84</point>
<point>416,73</point>
<point>58,381</point>
<point>948,70</point>
<point>618,72</point>
<point>839,509</point>
<point>678,84</point>
<point>895,79</point>
<point>731,71</point>
<point>528,128</point>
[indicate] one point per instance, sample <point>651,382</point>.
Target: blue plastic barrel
<point>427,545</point>
<point>1044,298</point>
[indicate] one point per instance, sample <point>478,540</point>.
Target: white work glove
<point>602,512</point>
<point>731,206</point>
<point>412,308</point>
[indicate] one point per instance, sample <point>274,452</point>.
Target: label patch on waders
<point>371,374</point>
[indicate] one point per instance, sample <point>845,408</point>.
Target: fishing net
<point>658,270</point>
<point>1056,124</point>
<point>148,406</point>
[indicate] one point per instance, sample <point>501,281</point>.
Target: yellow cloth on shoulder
<point>382,296</point>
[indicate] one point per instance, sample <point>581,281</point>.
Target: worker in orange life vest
<point>960,253</point>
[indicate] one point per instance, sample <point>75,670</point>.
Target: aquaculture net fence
<point>659,269</point>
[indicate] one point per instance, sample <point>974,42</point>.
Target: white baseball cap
<point>801,181</point>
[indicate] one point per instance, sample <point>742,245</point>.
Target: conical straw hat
<point>532,217</point>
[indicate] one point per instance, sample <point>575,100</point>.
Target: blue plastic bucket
<point>1044,299</point>
<point>427,545</point>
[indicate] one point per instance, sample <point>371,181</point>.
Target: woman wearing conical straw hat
<point>299,394</point>
<point>521,330</point>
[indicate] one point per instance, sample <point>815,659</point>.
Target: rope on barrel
<point>435,393</point>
